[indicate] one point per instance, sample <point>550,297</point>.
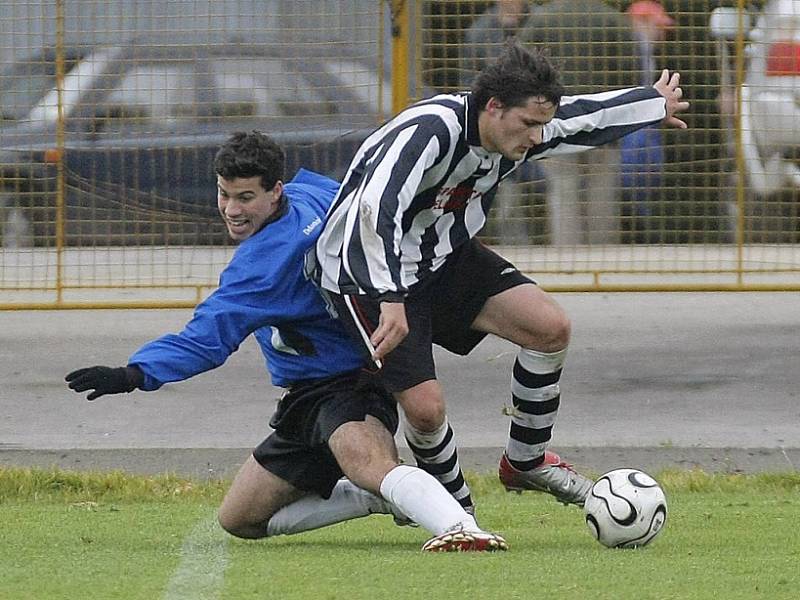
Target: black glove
<point>105,380</point>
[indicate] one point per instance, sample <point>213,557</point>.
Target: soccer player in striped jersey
<point>400,264</point>
<point>333,420</point>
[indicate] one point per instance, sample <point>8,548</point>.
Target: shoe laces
<point>561,465</point>
<point>566,466</point>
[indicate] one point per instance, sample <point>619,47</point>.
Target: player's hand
<point>392,328</point>
<point>669,87</point>
<point>105,380</point>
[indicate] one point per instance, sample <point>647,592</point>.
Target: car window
<point>363,82</point>
<point>155,91</point>
<point>78,79</point>
<point>23,83</point>
<point>266,88</point>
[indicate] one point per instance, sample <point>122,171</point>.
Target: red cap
<point>650,10</point>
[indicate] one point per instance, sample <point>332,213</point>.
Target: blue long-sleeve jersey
<point>263,291</point>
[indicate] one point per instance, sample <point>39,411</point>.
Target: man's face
<point>245,206</point>
<point>513,131</point>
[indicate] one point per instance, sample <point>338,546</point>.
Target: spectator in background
<point>642,153</point>
<point>484,39</point>
<point>483,42</point>
<point>594,46</point>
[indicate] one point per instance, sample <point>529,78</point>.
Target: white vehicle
<point>770,93</point>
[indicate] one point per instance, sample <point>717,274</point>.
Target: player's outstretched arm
<point>105,380</point>
<point>669,87</point>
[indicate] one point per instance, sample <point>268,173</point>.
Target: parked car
<point>770,93</point>
<point>144,119</point>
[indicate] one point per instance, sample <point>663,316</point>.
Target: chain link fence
<point>112,112</point>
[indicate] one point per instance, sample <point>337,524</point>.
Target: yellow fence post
<point>60,184</point>
<point>741,181</point>
<point>400,31</point>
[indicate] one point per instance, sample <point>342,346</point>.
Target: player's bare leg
<point>530,318</point>
<point>366,452</point>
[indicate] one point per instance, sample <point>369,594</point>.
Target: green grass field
<point>106,536</point>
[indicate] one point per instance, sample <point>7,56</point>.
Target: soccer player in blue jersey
<point>333,420</point>
<point>399,259</point>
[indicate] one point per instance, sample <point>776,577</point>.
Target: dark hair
<point>516,76</point>
<point>251,154</point>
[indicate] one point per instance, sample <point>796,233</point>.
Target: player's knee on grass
<point>253,498</point>
<point>239,526</point>
<point>247,522</point>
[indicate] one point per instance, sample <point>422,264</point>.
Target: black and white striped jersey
<point>421,184</point>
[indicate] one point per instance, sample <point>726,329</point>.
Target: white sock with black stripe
<point>536,396</point>
<point>436,453</point>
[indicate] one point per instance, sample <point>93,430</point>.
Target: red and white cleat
<point>461,540</point>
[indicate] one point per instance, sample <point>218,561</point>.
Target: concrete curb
<point>222,463</point>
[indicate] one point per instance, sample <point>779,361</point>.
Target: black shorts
<point>439,311</point>
<point>307,415</point>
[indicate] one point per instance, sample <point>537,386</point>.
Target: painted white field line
<point>204,557</point>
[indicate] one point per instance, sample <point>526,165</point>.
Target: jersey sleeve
<point>246,299</point>
<point>591,120</point>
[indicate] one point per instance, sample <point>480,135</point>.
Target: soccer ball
<point>626,508</point>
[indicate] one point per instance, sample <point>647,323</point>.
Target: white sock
<point>347,501</point>
<point>418,495</point>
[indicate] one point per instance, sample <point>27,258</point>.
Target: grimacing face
<point>512,131</point>
<point>245,206</point>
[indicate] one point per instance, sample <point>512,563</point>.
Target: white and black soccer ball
<point>626,508</point>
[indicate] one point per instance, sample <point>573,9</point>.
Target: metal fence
<point>112,111</point>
